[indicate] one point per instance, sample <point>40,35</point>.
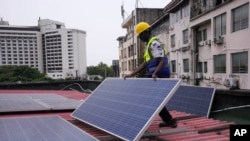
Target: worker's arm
<point>158,67</point>
<point>137,70</point>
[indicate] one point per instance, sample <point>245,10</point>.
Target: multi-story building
<point>50,47</point>
<point>220,40</point>
<point>207,41</point>
<point>173,30</point>
<point>130,48</point>
<point>21,45</point>
<point>179,39</point>
<point>64,50</point>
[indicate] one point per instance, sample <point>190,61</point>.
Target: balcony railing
<point>200,7</point>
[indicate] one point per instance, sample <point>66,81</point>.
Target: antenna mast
<point>122,10</point>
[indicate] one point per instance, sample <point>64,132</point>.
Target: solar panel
<point>192,99</point>
<point>36,102</point>
<point>125,108</point>
<point>18,103</point>
<point>51,128</point>
<point>55,102</point>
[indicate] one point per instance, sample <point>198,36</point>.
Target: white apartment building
<point>21,46</point>
<point>50,47</point>
<point>207,41</point>
<point>64,50</point>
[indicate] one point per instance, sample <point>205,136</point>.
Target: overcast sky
<point>101,19</point>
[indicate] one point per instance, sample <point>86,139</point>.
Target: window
<point>240,18</point>
<point>185,11</point>
<point>175,17</point>
<point>220,25</point>
<point>199,36</point>
<point>240,62</point>
<point>173,65</point>
<point>202,35</point>
<point>134,49</point>
<point>220,63</point>
<point>218,2</point>
<point>205,67</point>
<point>185,65</point>
<point>199,67</point>
<point>185,36</point>
<point>172,40</point>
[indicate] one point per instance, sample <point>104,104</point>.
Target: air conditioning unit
<point>201,44</point>
<point>185,48</point>
<point>174,75</point>
<point>219,40</point>
<point>231,83</point>
<point>208,42</point>
<point>198,75</point>
<point>173,50</point>
<point>184,76</point>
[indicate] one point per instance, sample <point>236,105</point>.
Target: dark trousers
<point>164,114</point>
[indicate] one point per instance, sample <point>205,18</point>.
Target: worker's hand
<point>154,76</point>
<point>126,76</point>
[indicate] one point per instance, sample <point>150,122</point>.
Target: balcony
<point>199,7</point>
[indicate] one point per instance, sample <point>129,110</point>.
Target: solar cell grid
<point>192,99</point>
<point>125,108</point>
<point>36,102</point>
<point>51,128</point>
<point>18,103</point>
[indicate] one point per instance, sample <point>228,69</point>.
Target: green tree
<point>20,73</point>
<point>6,73</point>
<point>25,73</point>
<point>101,69</point>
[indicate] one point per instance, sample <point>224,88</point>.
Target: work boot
<point>172,123</point>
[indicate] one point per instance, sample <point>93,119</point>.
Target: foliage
<point>101,69</point>
<point>20,73</point>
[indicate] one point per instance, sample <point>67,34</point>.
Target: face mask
<point>144,36</point>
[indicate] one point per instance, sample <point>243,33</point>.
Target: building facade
<point>220,31</point>
<point>49,47</point>
<point>21,46</point>
<point>207,41</point>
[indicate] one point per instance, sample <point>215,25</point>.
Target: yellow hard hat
<point>140,27</point>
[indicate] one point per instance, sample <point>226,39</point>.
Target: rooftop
<point>190,126</point>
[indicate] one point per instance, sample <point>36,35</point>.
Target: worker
<point>156,64</point>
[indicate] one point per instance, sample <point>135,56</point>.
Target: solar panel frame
<point>42,128</point>
<point>192,99</point>
<point>116,126</point>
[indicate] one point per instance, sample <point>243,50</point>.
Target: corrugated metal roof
<point>190,127</point>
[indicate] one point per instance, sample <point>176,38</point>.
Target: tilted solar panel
<point>192,99</point>
<point>125,108</point>
<point>49,128</point>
